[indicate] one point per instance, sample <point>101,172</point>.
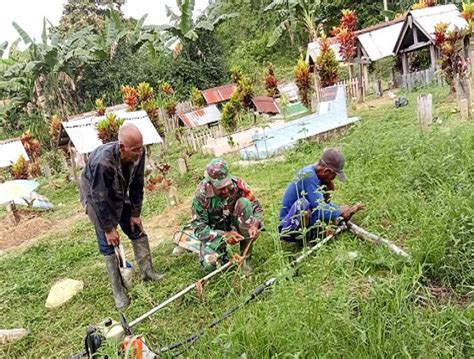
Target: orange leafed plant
<point>345,35</point>
<point>54,127</point>
<point>19,169</point>
<point>145,92</point>
<point>107,129</point>
<point>130,98</point>
<point>270,81</point>
<point>303,81</point>
<point>326,64</point>
<point>31,145</point>
<point>99,107</point>
<point>421,4</point>
<point>167,89</point>
<point>453,63</point>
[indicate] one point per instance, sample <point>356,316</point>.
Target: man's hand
<point>232,237</point>
<point>349,211</point>
<point>136,222</point>
<point>253,232</point>
<point>112,237</point>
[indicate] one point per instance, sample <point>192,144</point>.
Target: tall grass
<point>418,188</point>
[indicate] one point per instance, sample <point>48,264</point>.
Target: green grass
<point>418,189</point>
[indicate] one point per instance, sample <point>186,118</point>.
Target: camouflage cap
<point>217,173</point>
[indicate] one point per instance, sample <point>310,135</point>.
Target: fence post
<point>425,110</point>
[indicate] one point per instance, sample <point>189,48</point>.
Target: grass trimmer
<point>110,329</point>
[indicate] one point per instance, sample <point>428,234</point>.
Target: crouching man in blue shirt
<point>307,203</point>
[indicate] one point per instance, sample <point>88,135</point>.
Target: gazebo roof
<point>422,22</point>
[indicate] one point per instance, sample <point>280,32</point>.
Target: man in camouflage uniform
<point>224,212</point>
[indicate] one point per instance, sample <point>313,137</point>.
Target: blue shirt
<point>308,186</point>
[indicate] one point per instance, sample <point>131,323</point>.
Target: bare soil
<point>33,226</point>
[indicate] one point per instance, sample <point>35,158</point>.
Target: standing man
<point>307,200</point>
<point>112,193</point>
<point>224,212</point>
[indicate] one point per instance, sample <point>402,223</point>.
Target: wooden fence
<point>172,122</point>
<point>351,87</point>
<point>197,137</point>
<point>422,78</point>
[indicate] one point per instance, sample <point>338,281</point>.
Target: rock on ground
<point>62,291</point>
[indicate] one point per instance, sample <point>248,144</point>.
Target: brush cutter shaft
<point>362,233</point>
<point>314,248</point>
<point>178,295</point>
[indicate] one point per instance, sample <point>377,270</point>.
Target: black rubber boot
<point>141,248</point>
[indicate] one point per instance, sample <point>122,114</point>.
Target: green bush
<point>54,159</point>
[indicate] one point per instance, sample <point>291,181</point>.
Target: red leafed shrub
<point>326,64</point>
<point>453,63</point>
<point>270,81</point>
<point>303,81</point>
<point>130,97</point>
<point>345,35</point>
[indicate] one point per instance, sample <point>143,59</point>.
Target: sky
<point>29,14</point>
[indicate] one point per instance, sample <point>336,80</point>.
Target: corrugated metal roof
<point>313,50</point>
<point>426,19</point>
<point>200,117</point>
<point>290,90</point>
<point>429,17</point>
<point>10,151</point>
<point>265,104</point>
<point>218,94</point>
<point>83,134</point>
<point>379,43</point>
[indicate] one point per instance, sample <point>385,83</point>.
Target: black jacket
<point>104,189</point>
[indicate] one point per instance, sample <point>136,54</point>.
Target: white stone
<point>62,291</point>
<point>12,335</point>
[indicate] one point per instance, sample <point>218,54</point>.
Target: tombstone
<point>464,108</point>
<point>182,166</point>
<point>172,196</point>
<point>425,110</point>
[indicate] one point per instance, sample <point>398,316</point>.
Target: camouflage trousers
<point>214,253</point>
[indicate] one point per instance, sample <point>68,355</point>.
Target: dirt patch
<point>162,227</point>
<point>12,236</point>
<point>32,227</point>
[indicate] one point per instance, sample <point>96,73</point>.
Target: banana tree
<point>185,29</point>
<point>52,68</point>
<point>293,13</point>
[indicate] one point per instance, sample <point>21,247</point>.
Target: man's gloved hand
<point>232,237</point>
<point>112,237</point>
<point>349,211</point>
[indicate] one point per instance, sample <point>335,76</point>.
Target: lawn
<point>352,299</point>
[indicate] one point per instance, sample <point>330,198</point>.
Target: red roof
<point>265,104</point>
<point>218,94</point>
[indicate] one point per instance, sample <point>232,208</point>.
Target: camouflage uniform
<point>213,215</point>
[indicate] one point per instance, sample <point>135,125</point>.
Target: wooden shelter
<point>418,29</point>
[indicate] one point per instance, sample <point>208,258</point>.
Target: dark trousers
<point>124,223</point>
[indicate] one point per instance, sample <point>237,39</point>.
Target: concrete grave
<point>331,115</point>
